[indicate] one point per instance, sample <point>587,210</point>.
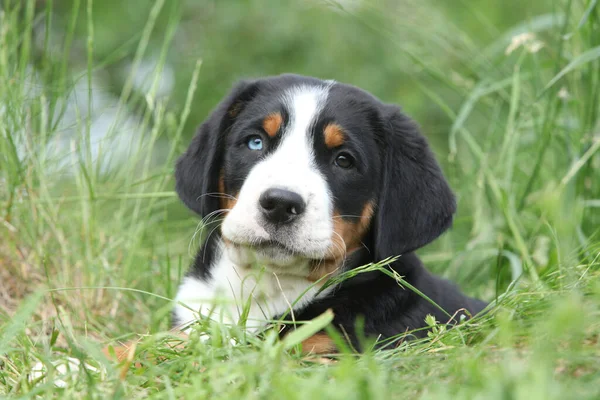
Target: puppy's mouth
<point>269,247</point>
<point>274,245</point>
<point>275,249</point>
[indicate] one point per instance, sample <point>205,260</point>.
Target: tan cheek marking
<point>225,201</point>
<point>272,123</point>
<point>318,344</point>
<point>346,237</point>
<point>321,270</point>
<point>334,136</point>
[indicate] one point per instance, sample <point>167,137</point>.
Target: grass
<point>94,241</point>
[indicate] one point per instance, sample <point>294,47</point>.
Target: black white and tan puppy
<point>308,179</point>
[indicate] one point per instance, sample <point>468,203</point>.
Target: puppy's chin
<point>269,255</point>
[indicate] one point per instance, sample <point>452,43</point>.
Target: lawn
<point>98,98</point>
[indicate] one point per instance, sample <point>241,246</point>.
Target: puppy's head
<point>305,171</point>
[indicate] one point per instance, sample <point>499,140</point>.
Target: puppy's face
<point>301,166</point>
<point>303,169</point>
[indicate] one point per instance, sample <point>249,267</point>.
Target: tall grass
<point>92,242</point>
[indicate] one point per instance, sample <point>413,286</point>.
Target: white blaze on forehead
<point>295,155</point>
<point>292,164</point>
<point>304,104</point>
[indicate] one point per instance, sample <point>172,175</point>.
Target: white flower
<point>563,93</point>
<point>527,40</point>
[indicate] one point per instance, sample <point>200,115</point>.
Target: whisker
<point>341,240</point>
<point>207,238</point>
<point>203,224</point>
<point>365,246</point>
<point>343,250</point>
<point>199,227</point>
<point>347,216</point>
<point>207,219</point>
<point>218,195</point>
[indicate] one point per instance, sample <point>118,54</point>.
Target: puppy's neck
<point>234,292</point>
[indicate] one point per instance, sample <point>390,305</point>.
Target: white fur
<point>271,279</point>
<point>230,288</point>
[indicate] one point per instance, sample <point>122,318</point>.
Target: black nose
<point>281,206</point>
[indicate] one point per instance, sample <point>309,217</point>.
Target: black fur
<point>414,193</point>
<point>388,310</point>
<point>197,172</point>
<point>395,169</point>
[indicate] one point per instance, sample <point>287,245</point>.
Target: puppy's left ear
<point>416,205</point>
<point>198,170</point>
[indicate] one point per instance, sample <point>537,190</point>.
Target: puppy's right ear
<point>416,204</point>
<point>198,170</point>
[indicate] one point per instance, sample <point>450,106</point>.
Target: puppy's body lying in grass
<point>309,179</point>
<point>300,181</point>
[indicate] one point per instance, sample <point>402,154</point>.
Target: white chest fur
<point>232,292</point>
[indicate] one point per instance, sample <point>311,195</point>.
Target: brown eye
<point>344,160</point>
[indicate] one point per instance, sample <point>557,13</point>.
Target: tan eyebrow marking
<point>272,123</point>
<point>334,136</point>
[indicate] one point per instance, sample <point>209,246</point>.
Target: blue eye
<point>255,143</point>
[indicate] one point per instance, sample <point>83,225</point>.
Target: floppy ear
<point>416,204</point>
<point>198,170</point>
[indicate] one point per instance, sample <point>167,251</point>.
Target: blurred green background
<point>391,48</point>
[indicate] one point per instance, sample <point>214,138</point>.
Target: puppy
<point>299,180</point>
